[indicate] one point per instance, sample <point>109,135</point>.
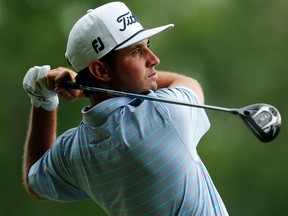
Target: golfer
<point>132,157</point>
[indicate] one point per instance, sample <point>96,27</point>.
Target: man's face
<point>134,69</point>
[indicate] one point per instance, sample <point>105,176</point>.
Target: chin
<point>154,87</point>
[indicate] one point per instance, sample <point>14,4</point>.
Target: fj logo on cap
<point>126,20</point>
<point>98,45</point>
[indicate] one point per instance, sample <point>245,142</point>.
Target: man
<point>131,156</point>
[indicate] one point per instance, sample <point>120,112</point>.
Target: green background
<point>237,49</point>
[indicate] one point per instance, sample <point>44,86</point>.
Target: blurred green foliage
<point>237,49</point>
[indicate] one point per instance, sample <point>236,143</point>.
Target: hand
<point>34,85</point>
<point>56,79</point>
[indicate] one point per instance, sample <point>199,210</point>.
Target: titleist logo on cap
<point>126,20</point>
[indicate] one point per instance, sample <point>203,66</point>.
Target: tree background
<point>237,49</point>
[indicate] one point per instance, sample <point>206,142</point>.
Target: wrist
<point>35,86</point>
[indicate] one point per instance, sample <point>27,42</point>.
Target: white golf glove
<point>40,95</point>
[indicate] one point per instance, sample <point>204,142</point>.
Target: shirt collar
<point>97,114</point>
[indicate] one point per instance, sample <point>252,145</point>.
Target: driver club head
<point>263,119</point>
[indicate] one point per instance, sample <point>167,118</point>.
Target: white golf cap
<point>109,27</point>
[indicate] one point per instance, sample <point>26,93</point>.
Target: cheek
<point>133,71</point>
<point>130,75</point>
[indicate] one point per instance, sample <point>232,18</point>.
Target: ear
<point>99,70</point>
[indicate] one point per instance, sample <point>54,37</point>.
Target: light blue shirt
<point>133,157</point>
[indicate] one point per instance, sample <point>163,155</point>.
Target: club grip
<point>72,85</point>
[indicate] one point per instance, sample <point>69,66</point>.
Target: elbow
<point>31,193</point>
<point>29,189</point>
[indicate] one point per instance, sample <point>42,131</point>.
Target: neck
<point>96,98</point>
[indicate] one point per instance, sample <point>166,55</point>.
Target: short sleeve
<point>50,181</point>
<point>191,123</point>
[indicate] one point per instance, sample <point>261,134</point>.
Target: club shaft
<point>146,97</point>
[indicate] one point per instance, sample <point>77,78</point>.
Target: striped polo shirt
<point>133,157</point>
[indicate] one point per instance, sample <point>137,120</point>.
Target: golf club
<point>264,120</point>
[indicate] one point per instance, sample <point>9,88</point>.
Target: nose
<point>152,59</point>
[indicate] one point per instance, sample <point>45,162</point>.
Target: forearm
<point>40,136</point>
<point>169,79</point>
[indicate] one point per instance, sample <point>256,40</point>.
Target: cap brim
<point>144,34</point>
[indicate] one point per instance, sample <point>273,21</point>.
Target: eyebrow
<point>139,44</point>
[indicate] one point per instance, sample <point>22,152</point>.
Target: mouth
<point>154,76</point>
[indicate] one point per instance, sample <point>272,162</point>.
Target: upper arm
<point>170,80</point>
<point>191,84</point>
<point>190,122</point>
<point>49,179</point>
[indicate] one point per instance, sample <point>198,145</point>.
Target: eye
<point>148,44</point>
<point>136,51</point>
